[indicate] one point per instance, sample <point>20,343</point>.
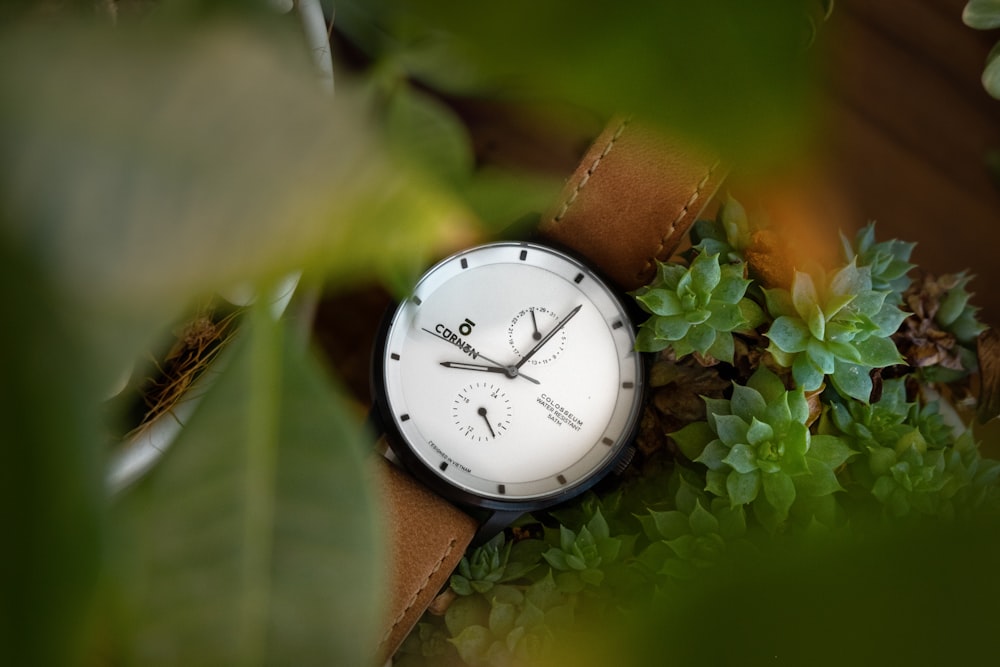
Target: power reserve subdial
<point>482,412</point>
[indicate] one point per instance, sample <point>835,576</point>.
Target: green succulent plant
<point>912,461</point>
<point>836,327</point>
<point>728,236</point>
<point>759,451</point>
<point>697,534</point>
<point>492,564</point>
<point>955,314</point>
<point>889,261</point>
<point>513,627</point>
<point>696,309</point>
<point>580,556</point>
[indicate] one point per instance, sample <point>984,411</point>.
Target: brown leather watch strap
<point>632,200</point>
<point>427,537</point>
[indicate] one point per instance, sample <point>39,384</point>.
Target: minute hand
<point>549,335</point>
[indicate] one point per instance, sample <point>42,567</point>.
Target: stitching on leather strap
<point>692,200</point>
<point>416,594</point>
<point>590,171</point>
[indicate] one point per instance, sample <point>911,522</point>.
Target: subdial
<point>482,412</point>
<point>528,327</point>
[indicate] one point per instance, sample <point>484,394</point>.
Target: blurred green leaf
<point>982,14</point>
<point>255,540</point>
<point>734,74</point>
<point>149,165</point>
<point>51,494</point>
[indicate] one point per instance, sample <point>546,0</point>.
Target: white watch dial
<point>511,373</point>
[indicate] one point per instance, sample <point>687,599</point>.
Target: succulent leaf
<point>696,309</point>
<point>839,329</point>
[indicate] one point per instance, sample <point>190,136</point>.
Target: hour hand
<point>488,369</point>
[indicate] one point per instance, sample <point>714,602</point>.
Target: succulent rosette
<point>728,236</point>
<point>696,308</point>
<point>759,451</point>
<point>836,327</point>
<point>699,532</point>
<point>888,261</point>
<point>911,461</point>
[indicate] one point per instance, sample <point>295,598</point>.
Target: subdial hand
<point>548,336</point>
<point>537,335</point>
<point>509,371</point>
<point>482,413</point>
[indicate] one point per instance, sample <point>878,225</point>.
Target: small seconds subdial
<point>482,412</point>
<point>528,327</point>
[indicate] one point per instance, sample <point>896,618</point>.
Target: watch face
<point>510,376</point>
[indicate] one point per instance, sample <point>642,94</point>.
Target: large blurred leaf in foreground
<point>736,74</point>
<point>51,496</point>
<point>255,540</point>
<point>150,164</point>
<point>925,594</point>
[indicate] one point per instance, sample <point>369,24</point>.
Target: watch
<point>508,380</point>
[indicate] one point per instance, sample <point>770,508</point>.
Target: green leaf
<point>850,281</point>
<point>731,429</point>
<point>982,14</point>
<point>757,58</point>
<point>253,537</point>
<point>747,402</point>
<point>807,375</point>
<point>660,302</point>
<point>702,521</point>
<point>693,438</point>
<point>852,380</point>
<point>705,274</point>
<point>726,317</point>
<point>779,491</point>
<point>820,356</point>
<point>713,455</point>
<point>804,295</point>
<point>742,459</point>
<point>425,131</point>
<point>779,303</point>
<point>701,337</point>
<point>765,382</point>
<point>723,347</point>
<point>742,488</point>
<point>789,334</point>
<point>820,481</point>
<point>759,432</point>
<point>52,493</point>
<point>829,449</point>
<point>670,525</point>
<point>816,321</point>
<point>671,327</point>
<point>263,163</point>
<point>473,643</point>
<point>732,285</point>
<point>991,74</point>
<point>877,352</point>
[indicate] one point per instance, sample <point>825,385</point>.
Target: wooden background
<point>908,130</point>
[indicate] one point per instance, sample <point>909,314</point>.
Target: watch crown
<point>625,460</point>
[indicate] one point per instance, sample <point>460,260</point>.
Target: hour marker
<point>579,278</point>
<point>617,324</point>
<point>607,441</point>
<point>416,300</point>
<point>465,263</point>
<point>443,466</point>
<point>561,479</point>
<point>628,385</point>
<point>404,418</point>
<point>394,356</point>
<point>501,488</point>
<point>524,255</point>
